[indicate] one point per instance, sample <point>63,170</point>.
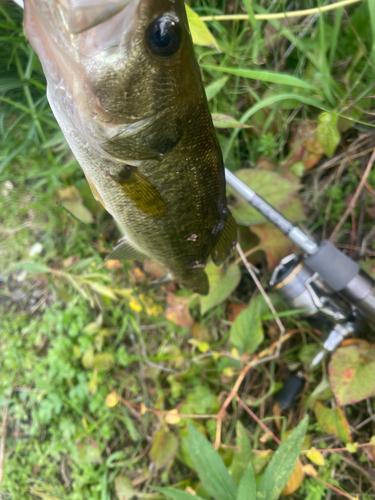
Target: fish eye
<point>163,36</point>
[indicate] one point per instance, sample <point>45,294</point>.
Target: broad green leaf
<point>281,193</point>
<point>103,362</point>
<point>225,121</point>
<point>222,283</point>
<point>164,448</point>
<point>327,133</point>
<point>333,421</point>
<point>243,455</point>
<point>210,467</point>
<point>352,372</point>
<point>200,34</point>
<point>247,486</point>
<point>246,332</point>
<point>123,487</point>
<point>176,494</point>
<point>282,464</point>
<point>214,88</point>
<point>264,76</point>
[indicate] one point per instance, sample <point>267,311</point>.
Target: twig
<point>261,289</point>
<point>330,486</point>
<point>280,15</point>
<point>259,422</point>
<point>353,201</point>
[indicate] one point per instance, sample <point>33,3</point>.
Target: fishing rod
<point>316,282</point>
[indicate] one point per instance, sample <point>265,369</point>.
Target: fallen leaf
<point>352,372</point>
<point>309,470</point>
<point>173,417</point>
<point>103,361</point>
<point>71,199</point>
<point>281,193</point>
<point>88,358</point>
<point>295,480</point>
<point>273,243</point>
<point>234,310</point>
<point>333,421</point>
<point>200,34</point>
<point>137,275</point>
<point>315,456</point>
<point>178,310</point>
<point>111,400</point>
<point>164,448</point>
<point>327,133</point>
<point>154,269</point>
<point>200,332</point>
<point>222,283</point>
<point>113,264</point>
<point>123,487</point>
<point>305,144</point>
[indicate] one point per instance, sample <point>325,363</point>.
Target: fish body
<point>125,88</point>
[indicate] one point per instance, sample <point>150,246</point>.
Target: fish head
<point>113,67</point>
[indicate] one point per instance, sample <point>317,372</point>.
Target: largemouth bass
<point>125,88</point>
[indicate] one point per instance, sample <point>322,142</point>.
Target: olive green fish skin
<point>164,137</point>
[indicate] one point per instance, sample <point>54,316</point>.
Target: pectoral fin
<point>140,191</point>
<point>124,251</point>
<point>226,242</point>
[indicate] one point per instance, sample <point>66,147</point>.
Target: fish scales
<point>126,90</point>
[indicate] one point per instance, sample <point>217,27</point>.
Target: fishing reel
<point>304,289</point>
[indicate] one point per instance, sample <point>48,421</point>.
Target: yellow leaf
<point>172,417</point>
<point>315,456</point>
<point>309,470</point>
<point>228,372</point>
<point>111,400</point>
<point>352,447</point>
<point>200,34</point>
<point>294,481</point>
<point>143,409</point>
<point>203,346</point>
<point>235,352</point>
<point>190,490</point>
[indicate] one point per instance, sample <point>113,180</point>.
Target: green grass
<point>73,330</point>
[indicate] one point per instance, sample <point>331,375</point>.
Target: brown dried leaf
<point>178,310</point>
<point>274,244</point>
<point>305,144</point>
